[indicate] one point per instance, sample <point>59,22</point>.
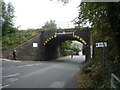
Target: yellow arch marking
<point>50,38</point>
<point>83,41</point>
<point>80,39</point>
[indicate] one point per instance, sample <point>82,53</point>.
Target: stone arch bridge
<point>45,45</point>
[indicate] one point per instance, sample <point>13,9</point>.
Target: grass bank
<point>11,41</point>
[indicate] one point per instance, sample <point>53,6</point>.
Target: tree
<point>50,25</point>
<point>7,15</point>
<point>105,19</point>
<point>77,46</point>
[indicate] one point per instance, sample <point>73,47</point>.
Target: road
<point>60,73</point>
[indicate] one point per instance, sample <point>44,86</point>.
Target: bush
<point>95,75</point>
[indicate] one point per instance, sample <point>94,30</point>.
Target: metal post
<point>103,55</point>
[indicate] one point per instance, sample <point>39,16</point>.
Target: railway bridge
<point>45,45</point>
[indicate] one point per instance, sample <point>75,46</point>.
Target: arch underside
<point>54,42</point>
<point>51,47</point>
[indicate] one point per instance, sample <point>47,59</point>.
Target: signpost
<point>103,45</point>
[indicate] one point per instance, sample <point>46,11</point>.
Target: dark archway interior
<point>51,48</point>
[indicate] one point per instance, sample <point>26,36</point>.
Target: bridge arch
<point>51,41</point>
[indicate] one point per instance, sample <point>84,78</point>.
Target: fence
<point>113,78</point>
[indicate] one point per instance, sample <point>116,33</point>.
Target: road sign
<point>101,44</point>
<point>35,44</point>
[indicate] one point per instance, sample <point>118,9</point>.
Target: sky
<point>34,13</point>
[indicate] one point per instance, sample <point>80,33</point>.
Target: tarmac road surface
<point>59,73</point>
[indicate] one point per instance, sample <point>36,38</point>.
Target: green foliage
<point>50,25</point>
<point>86,82</point>
<point>7,16</point>
<point>105,19</point>
<point>11,41</point>
<point>97,75</point>
<point>66,48</point>
<point>87,67</point>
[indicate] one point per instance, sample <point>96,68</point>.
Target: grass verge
<point>11,41</point>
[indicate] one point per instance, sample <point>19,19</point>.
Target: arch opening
<point>52,50</point>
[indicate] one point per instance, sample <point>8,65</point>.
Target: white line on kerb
<point>13,75</point>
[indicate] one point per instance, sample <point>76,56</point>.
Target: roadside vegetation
<point>104,19</point>
<point>11,36</point>
<point>10,41</point>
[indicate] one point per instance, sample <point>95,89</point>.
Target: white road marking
<point>28,65</point>
<point>20,66</point>
<point>12,79</point>
<point>13,75</point>
<point>57,84</point>
<point>6,86</point>
<point>32,64</point>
